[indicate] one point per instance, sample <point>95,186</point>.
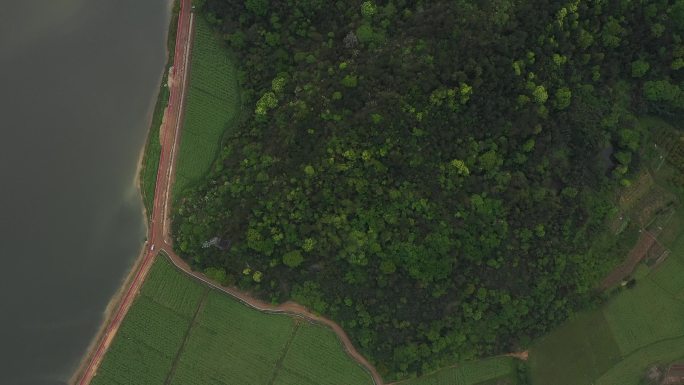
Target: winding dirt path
<point>289,308</point>
<point>159,238</point>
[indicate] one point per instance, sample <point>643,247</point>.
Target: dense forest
<point>431,174</point>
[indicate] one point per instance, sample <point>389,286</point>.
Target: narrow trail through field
<point>283,354</point>
<point>159,239</point>
<point>191,325</point>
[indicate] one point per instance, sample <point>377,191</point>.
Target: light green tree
<point>350,81</point>
<point>639,68</point>
<point>562,98</point>
<point>540,95</point>
<point>368,9</point>
<point>308,245</point>
<point>293,258</point>
<point>267,101</point>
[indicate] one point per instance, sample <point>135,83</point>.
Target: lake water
<point>78,79</point>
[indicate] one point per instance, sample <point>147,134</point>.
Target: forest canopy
<point>433,175</point>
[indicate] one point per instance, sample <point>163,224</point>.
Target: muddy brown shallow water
<point>77,81</point>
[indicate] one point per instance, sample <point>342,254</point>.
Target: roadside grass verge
<point>212,106</point>
<point>152,152</point>
<point>181,331</point>
<point>495,370</point>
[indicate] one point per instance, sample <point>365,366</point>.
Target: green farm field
<point>180,331</point>
<point>632,331</point>
<point>616,344</point>
<point>496,370</point>
<point>212,106</point>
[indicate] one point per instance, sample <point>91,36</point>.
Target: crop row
<point>171,288</point>
<point>316,357</point>
<point>211,107</point>
<point>155,325</point>
<point>129,363</point>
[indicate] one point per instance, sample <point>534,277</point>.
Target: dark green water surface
<point>77,82</point>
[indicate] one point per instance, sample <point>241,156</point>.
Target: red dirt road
<point>156,238</point>
<point>636,254</point>
<point>159,235</point>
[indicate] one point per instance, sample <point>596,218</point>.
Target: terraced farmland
<point>211,109</point>
<point>180,331</point>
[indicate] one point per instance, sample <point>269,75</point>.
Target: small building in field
<point>675,374</point>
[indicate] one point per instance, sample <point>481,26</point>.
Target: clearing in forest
<point>649,205</point>
<point>212,106</point>
<point>180,331</point>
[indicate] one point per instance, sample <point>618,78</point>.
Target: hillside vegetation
<point>436,176</point>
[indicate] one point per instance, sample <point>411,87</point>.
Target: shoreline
<point>115,300</point>
<point>108,313</point>
<point>120,304</point>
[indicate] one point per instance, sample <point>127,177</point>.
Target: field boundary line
<point>208,93</point>
<point>645,347</point>
<point>286,349</point>
<point>638,350</point>
<point>669,294</point>
<point>186,337</point>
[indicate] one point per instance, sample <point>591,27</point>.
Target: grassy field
<point>212,106</point>
<point>646,314</point>
<point>615,345</point>
<point>233,344</point>
<point>316,357</point>
<point>181,332</point>
<point>576,353</point>
<point>150,162</point>
<point>496,370</point>
<point>641,326</point>
<point>635,329</point>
